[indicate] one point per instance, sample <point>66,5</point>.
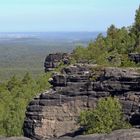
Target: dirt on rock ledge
<point>124,134</point>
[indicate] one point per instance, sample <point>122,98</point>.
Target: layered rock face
<point>53,60</point>
<point>54,113</point>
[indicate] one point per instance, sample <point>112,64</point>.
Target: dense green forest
<point>26,52</point>
<point>109,50</point>
<point>113,49</point>
<point>15,94</point>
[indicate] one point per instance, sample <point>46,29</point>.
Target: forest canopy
<point>113,49</point>
<point>15,95</point>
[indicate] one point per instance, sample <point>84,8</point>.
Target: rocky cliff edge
<point>54,113</point>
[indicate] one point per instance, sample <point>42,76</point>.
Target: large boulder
<point>54,113</point>
<point>53,60</point>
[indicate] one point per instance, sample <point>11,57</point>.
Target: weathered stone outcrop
<point>53,60</point>
<point>135,57</point>
<point>124,134</point>
<point>54,113</point>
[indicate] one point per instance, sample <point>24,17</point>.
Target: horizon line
<point>50,31</point>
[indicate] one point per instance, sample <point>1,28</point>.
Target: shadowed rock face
<point>54,113</point>
<point>53,61</point>
<point>124,134</point>
<point>134,57</point>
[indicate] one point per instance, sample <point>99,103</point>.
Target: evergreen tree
<point>137,22</point>
<point>12,83</point>
<point>136,28</point>
<point>26,79</point>
<point>111,31</point>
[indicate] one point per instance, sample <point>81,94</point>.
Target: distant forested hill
<point>22,52</point>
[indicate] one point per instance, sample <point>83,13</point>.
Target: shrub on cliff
<point>105,118</point>
<point>109,50</point>
<point>15,95</point>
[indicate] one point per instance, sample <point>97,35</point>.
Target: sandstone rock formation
<point>53,60</point>
<point>54,113</point>
<point>124,134</point>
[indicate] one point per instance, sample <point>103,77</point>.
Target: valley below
<point>26,52</point>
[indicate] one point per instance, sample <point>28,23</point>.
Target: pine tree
<point>136,28</point>
<point>26,79</point>
<point>137,22</point>
<point>12,83</point>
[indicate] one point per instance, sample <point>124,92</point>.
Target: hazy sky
<point>65,15</point>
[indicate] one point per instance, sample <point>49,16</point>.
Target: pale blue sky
<point>65,15</point>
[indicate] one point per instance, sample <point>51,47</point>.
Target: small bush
<point>105,118</point>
